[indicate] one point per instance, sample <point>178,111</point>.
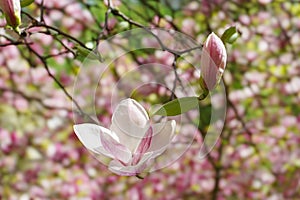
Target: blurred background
<point>258,153</point>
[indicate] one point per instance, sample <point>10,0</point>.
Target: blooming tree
<point>150,109</point>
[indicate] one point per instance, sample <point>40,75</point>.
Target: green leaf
<point>230,35</point>
<point>25,3</point>
<point>178,106</point>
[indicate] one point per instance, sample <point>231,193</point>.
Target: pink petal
<point>143,146</point>
<point>119,151</point>
<point>12,11</point>
<point>131,170</point>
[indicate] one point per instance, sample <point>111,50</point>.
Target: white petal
<point>163,134</point>
<point>131,170</point>
<point>89,136</point>
<point>119,151</point>
<point>131,141</point>
<point>130,111</point>
<point>130,122</point>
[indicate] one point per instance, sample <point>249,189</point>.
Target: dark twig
<point>42,59</point>
<point>42,11</point>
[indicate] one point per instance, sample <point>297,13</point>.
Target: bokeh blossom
<point>258,156</point>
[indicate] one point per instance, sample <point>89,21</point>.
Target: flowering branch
<point>44,62</point>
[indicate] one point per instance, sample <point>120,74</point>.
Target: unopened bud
<point>12,12</point>
<point>213,62</point>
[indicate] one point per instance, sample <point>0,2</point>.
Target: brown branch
<point>42,59</point>
<point>116,12</point>
<point>42,12</point>
<point>12,43</point>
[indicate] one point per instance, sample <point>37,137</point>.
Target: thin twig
<point>42,59</point>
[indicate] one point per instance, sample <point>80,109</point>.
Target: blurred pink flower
<point>132,142</point>
<point>12,12</point>
<point>265,1</point>
<point>213,60</point>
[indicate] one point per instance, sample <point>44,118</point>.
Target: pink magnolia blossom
<point>12,12</point>
<point>213,61</point>
<point>132,141</point>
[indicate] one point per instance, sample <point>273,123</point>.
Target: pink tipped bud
<point>12,12</point>
<point>213,61</point>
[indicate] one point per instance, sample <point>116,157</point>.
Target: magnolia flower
<point>213,61</point>
<point>132,142</point>
<point>12,12</point>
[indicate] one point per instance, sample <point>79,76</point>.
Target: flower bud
<point>213,62</point>
<point>12,12</point>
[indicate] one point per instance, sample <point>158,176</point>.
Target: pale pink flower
<point>132,142</point>
<point>213,61</point>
